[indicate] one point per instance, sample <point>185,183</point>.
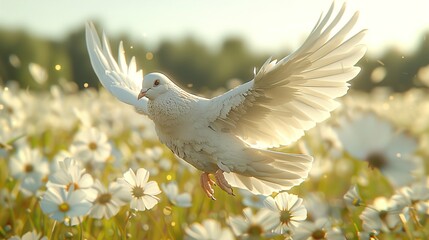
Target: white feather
<point>121,80</point>
<point>292,95</point>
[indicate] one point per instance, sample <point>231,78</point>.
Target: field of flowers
<point>82,165</point>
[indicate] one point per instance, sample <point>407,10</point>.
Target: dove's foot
<point>222,183</point>
<point>207,183</point>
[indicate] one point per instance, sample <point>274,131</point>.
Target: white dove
<point>228,135</point>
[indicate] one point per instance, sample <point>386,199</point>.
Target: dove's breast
<point>169,110</point>
<point>178,125</point>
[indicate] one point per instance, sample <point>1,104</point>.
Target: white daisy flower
<point>70,174</point>
<point>62,205</point>
<point>383,216</point>
<point>29,236</point>
<point>28,162</point>
<point>91,145</point>
<point>108,201</point>
<point>142,192</point>
<point>371,139</point>
<point>172,191</point>
<point>28,166</point>
<point>289,210</point>
<point>8,134</point>
<point>415,196</point>
<point>254,226</point>
<point>7,199</point>
<point>152,159</point>
<point>12,107</point>
<point>318,230</point>
<point>316,205</point>
<point>352,198</point>
<point>209,230</point>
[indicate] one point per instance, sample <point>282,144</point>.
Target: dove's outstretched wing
<point>122,80</point>
<point>286,98</point>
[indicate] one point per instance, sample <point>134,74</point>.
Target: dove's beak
<point>142,94</point>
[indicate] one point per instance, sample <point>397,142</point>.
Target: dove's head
<point>154,85</point>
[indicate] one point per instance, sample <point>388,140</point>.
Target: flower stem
<point>53,230</point>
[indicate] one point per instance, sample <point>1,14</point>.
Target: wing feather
<point>119,78</point>
<point>287,97</point>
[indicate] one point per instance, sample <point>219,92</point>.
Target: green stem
<point>53,230</point>
<point>80,229</point>
<point>406,227</point>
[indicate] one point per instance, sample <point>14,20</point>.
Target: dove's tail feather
<point>271,171</point>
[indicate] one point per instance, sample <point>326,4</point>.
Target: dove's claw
<point>206,183</point>
<point>222,183</point>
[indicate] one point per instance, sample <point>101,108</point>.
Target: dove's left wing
<point>121,80</point>
<point>290,96</point>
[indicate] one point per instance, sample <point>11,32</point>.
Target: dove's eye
<point>156,83</point>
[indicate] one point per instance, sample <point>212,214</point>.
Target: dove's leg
<point>222,183</point>
<point>207,183</point>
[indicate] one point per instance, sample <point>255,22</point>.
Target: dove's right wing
<point>121,80</point>
<point>292,95</point>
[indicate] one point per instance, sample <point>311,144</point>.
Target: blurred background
<point>204,45</point>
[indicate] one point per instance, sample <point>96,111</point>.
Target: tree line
<point>192,63</point>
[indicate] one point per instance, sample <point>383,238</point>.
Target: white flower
<point>289,210</point>
<point>172,191</point>
<point>254,226</point>
<point>152,159</point>
<point>383,215</point>
<point>30,167</point>
<point>8,134</point>
<point>252,200</point>
<point>7,199</point>
<point>70,174</point>
<point>321,229</point>
<point>108,201</point>
<point>352,197</point>
<point>415,196</point>
<point>209,230</point>
<point>60,204</point>
<point>142,192</point>
<point>316,205</point>
<point>12,108</point>
<point>29,236</point>
<point>28,162</point>
<point>91,145</point>
<point>371,139</point>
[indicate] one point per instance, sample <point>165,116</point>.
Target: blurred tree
<point>187,60</point>
<point>81,68</point>
<point>191,63</point>
<point>234,61</point>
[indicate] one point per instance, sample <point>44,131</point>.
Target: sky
<point>266,26</point>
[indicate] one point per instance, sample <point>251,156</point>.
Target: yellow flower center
<point>75,186</point>
<point>28,168</point>
<point>92,146</point>
<point>383,215</point>
<point>318,234</point>
<point>64,207</point>
<point>255,230</point>
<point>104,198</point>
<point>285,216</point>
<point>356,202</point>
<point>138,192</point>
<point>376,160</point>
